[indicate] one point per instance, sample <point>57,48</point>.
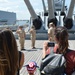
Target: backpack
<point>53,64</point>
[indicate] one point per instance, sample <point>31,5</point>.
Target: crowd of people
<point>12,60</point>
<point>22,34</point>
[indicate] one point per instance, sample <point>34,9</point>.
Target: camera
<point>51,44</point>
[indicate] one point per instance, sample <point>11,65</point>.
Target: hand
<point>45,47</point>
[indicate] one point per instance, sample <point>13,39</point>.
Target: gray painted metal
<point>7,18</point>
<point>71,8</point>
<point>30,8</point>
<point>51,9</point>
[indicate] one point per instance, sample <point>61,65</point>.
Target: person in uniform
<point>21,35</point>
<point>51,32</point>
<point>33,36</point>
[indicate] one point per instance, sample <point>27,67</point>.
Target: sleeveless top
<point>20,54</point>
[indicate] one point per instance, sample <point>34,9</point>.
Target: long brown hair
<point>8,53</point>
<point>61,35</point>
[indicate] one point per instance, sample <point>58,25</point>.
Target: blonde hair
<point>51,24</point>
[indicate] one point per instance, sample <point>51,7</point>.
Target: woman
<point>8,53</point>
<point>61,38</point>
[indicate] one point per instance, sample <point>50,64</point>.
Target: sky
<point>19,7</point>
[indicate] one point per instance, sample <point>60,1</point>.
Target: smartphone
<point>51,44</point>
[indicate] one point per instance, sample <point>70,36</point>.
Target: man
<point>51,32</point>
<point>33,36</point>
<point>21,35</point>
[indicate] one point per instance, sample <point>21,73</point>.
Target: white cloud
<point>4,1</point>
<point>5,9</point>
<point>20,7</point>
<point>23,15</point>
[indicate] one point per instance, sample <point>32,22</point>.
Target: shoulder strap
<point>69,50</point>
<point>20,54</point>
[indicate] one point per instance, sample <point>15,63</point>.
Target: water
<point>22,22</point>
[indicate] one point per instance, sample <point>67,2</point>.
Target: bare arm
<point>22,60</point>
<point>45,48</point>
<point>30,31</point>
<point>50,34</point>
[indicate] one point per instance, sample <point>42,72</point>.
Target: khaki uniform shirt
<point>51,34</point>
<point>33,33</point>
<point>21,33</point>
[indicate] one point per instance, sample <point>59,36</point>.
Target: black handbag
<point>53,64</point>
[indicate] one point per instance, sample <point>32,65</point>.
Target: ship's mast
<point>37,21</point>
<point>51,15</point>
<point>30,8</point>
<point>63,8</point>
<point>68,22</point>
<point>51,9</point>
<point>71,8</point>
<point>45,12</point>
<point>44,7</point>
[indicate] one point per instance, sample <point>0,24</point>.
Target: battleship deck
<point>36,54</point>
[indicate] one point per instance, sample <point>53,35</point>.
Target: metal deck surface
<point>36,54</point>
